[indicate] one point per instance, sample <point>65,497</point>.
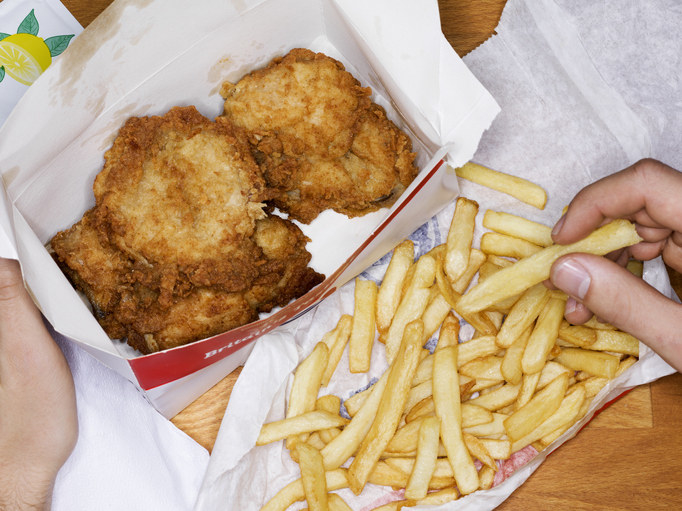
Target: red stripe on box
<point>167,366</point>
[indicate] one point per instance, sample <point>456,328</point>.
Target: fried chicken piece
<point>178,246</point>
<point>182,192</point>
<point>302,103</point>
<point>371,175</point>
<point>125,298</point>
<point>318,147</point>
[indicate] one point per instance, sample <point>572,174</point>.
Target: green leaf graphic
<point>2,73</point>
<point>29,25</point>
<point>58,43</point>
<point>3,35</point>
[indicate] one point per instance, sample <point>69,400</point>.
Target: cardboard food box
<point>142,58</point>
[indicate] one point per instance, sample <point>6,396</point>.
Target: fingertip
<point>576,313</point>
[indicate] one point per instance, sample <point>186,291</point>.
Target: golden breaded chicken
<point>319,140</point>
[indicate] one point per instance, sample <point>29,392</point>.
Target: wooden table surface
<point>629,457</point>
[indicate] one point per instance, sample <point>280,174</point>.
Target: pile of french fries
<point>439,422</point>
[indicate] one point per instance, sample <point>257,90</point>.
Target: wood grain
<point>626,458</point>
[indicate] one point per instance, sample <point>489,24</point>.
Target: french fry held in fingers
<point>444,404</point>
<point>534,269</point>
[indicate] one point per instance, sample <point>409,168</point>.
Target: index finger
<point>647,192</point>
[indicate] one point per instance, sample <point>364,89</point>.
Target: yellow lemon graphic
<point>24,57</point>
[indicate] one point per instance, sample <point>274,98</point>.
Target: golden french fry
<point>390,409</point>
<point>436,498</point>
<point>424,408</point>
<point>478,347</point>
<point>476,259</point>
<point>293,492</point>
<point>499,449</point>
<point>519,227</point>
<point>566,414</point>
<point>578,335</point>
<point>494,243</point>
<point>529,384</point>
<point>302,423</point>
<point>489,429</point>
<point>534,269</point>
<point>499,398</point>
<point>412,305</point>
<point>616,341</point>
<point>522,314</point>
<point>336,452</point>
<point>425,462</point>
<point>511,362</point>
<point>388,295</point>
<point>313,477</point>
<point>487,477</point>
<point>479,451</point>
<point>364,326</point>
<point>541,406</point>
<point>483,368</point>
<point>336,341</point>
<point>543,336</point>
<point>594,362</point>
<point>459,239</point>
<point>448,409</point>
<point>449,333</point>
<point>336,503</point>
<point>517,187</point>
<point>435,313</point>
<point>307,382</point>
<point>551,370</point>
<point>331,404</point>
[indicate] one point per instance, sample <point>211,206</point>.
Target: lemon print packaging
<point>32,34</point>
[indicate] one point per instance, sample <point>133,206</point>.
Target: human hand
<point>649,193</point>
<point>38,421</point>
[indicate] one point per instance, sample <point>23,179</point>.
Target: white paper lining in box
<point>142,59</point>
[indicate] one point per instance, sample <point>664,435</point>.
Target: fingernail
<point>558,225</point>
<point>572,278</point>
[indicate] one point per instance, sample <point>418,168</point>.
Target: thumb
<point>624,300</point>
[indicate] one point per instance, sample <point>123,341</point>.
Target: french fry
<point>517,187</point>
<point>499,449</point>
<point>511,362</point>
<point>507,246</point>
<point>424,408</point>
<point>543,337</point>
<point>412,305</point>
<point>448,409</point>
<point>479,347</point>
<point>390,408</point>
<point>336,503</point>
<point>331,404</point>
<point>336,341</point>
<point>307,382</point>
<point>542,405</point>
<point>487,477</point>
<point>487,368</point>
<point>425,462</point>
<point>293,492</point>
<point>312,477</point>
<point>388,295</point>
<point>434,314</point>
<point>529,384</point>
<point>616,341</point>
<point>436,498</point>
<point>577,335</point>
<point>449,333</point>
<point>489,429</point>
<point>459,238</point>
<point>336,452</point>
<point>499,398</point>
<point>566,414</point>
<point>302,423</point>
<point>364,326</point>
<point>476,259</point>
<point>534,269</point>
<point>519,227</point>
<point>479,451</point>
<point>522,314</point>
<point>594,362</point>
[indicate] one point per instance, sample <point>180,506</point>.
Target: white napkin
<point>128,456</point>
<point>586,88</point>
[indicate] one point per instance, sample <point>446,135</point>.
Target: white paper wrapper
<point>563,125</point>
<point>125,64</point>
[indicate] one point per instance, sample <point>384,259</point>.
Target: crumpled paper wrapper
<point>586,88</point>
